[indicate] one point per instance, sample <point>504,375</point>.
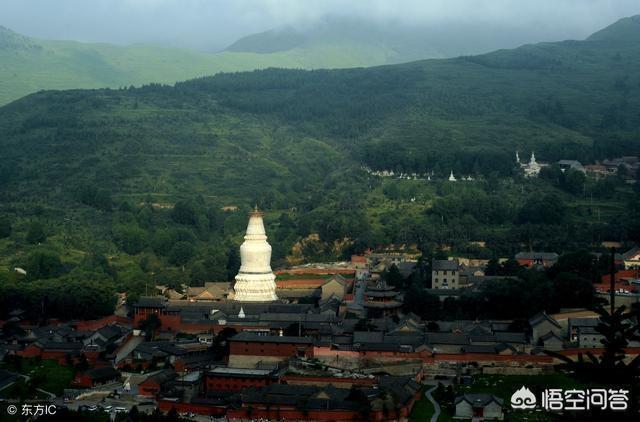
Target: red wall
<point>148,388</point>
<point>294,379</point>
<point>319,415</point>
<point>83,380</point>
<point>30,351</point>
<point>99,323</point>
<point>201,409</point>
<point>268,349</point>
<point>328,271</point>
<point>219,383</point>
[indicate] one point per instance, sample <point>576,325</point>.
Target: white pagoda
<point>532,168</point>
<point>255,281</point>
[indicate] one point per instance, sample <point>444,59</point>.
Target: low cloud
<point>213,24</point>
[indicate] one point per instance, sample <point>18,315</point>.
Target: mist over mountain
<point>397,41</point>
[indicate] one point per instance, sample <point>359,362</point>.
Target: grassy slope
<point>422,409</point>
<point>67,64</point>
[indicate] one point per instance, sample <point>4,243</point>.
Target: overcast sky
<point>213,24</point>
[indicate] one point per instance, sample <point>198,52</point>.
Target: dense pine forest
<point>114,190</point>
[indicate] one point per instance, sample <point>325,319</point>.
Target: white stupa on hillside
<point>532,168</point>
<point>452,178</point>
<point>255,281</point>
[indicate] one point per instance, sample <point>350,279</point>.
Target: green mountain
<point>625,30</point>
<point>29,65</point>
<point>139,174</point>
<point>576,99</point>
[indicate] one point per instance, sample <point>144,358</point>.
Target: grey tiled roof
<point>505,337</point>
<point>548,256</point>
<point>253,337</point>
<point>447,338</point>
<point>631,252</point>
<point>151,302</point>
<point>444,264</point>
<point>542,316</point>
<point>478,399</point>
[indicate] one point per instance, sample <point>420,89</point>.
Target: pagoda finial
<point>256,212</point>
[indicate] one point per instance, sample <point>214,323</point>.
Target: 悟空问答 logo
<point>523,399</point>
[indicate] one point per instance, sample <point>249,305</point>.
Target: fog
<point>214,24</point>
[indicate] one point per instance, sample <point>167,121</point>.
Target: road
<point>436,406</point>
<point>358,294</point>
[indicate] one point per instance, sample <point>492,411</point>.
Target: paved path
<point>51,395</point>
<point>436,406</point>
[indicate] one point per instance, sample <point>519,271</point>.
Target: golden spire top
<point>256,212</point>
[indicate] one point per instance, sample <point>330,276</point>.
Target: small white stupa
<point>255,281</point>
<point>452,178</point>
<point>532,168</point>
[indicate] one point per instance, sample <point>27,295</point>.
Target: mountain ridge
<point>463,113</point>
<point>624,30</point>
<point>332,43</point>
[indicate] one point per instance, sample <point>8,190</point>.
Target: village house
<point>445,274</point>
<point>478,407</point>
<point>156,383</point>
<point>580,323</point>
<point>96,376</point>
<point>589,338</point>
<point>211,291</point>
<point>537,259</point>
<point>541,325</point>
<point>631,258</point>
<point>247,349</point>
<point>629,163</point>
<point>571,164</point>
<point>316,288</point>
<point>598,170</point>
<point>551,341</point>
<point>226,379</point>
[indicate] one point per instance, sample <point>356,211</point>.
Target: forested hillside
<point>118,189</point>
